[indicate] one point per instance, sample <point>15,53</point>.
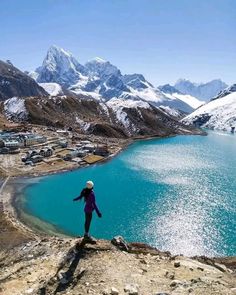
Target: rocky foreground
<point>68,266</point>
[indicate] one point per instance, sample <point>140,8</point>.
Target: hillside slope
<point>13,82</point>
<point>219,113</point>
<point>117,118</point>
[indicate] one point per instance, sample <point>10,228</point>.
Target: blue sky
<point>162,39</point>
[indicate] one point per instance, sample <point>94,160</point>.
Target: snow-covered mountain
<point>219,113</point>
<point>189,103</point>
<point>202,91</point>
<point>226,91</point>
<point>103,81</point>
<point>59,66</point>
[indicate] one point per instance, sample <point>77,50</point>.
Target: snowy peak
<point>101,68</point>
<point>61,60</point>
<point>59,66</point>
<point>98,60</point>
<point>136,81</point>
<point>103,81</point>
<point>203,91</point>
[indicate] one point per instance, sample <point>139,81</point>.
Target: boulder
<point>114,291</point>
<point>120,243</point>
<point>131,289</point>
<point>177,264</point>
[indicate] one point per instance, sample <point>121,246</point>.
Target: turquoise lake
<point>178,194</point>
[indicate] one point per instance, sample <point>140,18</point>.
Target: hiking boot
<point>89,239</point>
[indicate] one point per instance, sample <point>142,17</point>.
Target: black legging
<point>88,218</point>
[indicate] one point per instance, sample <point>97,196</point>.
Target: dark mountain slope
<point>13,82</point>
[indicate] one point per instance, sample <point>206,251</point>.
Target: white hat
<point>89,184</point>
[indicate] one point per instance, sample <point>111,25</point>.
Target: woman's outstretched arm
<point>80,196</point>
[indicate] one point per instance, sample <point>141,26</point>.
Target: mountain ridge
<point>14,82</point>
<point>219,113</point>
<point>104,81</point>
<point>203,91</point>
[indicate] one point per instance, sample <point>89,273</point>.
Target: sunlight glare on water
<point>177,194</point>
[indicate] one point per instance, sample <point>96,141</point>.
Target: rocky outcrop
<point>13,82</point>
<point>70,266</point>
<point>37,264</point>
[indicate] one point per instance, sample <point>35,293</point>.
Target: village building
<point>21,139</point>
<point>82,153</point>
<point>11,144</point>
<point>89,147</point>
<point>101,150</point>
<point>46,152</point>
<point>83,142</point>
<point>62,132</point>
<point>36,158</point>
<point>71,155</point>
<point>31,139</point>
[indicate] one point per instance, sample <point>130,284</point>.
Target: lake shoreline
<point>42,255</point>
<point>11,195</point>
<point>39,227</point>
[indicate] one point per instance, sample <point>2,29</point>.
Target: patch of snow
<point>83,80</point>
<point>104,108</point>
<point>4,82</point>
<point>118,105</point>
<point>83,125</point>
<point>122,117</point>
<point>188,99</point>
<point>98,60</point>
<point>14,108</point>
<point>221,113</point>
<point>88,94</point>
<point>148,94</point>
<point>170,111</point>
<point>127,103</point>
<point>34,75</point>
<point>53,89</point>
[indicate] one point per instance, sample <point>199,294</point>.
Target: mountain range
<point>25,100</point>
<point>202,91</point>
<point>104,81</point>
<point>219,113</point>
<point>61,80</point>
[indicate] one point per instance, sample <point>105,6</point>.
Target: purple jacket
<point>90,202</point>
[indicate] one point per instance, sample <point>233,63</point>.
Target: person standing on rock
<point>90,205</point>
